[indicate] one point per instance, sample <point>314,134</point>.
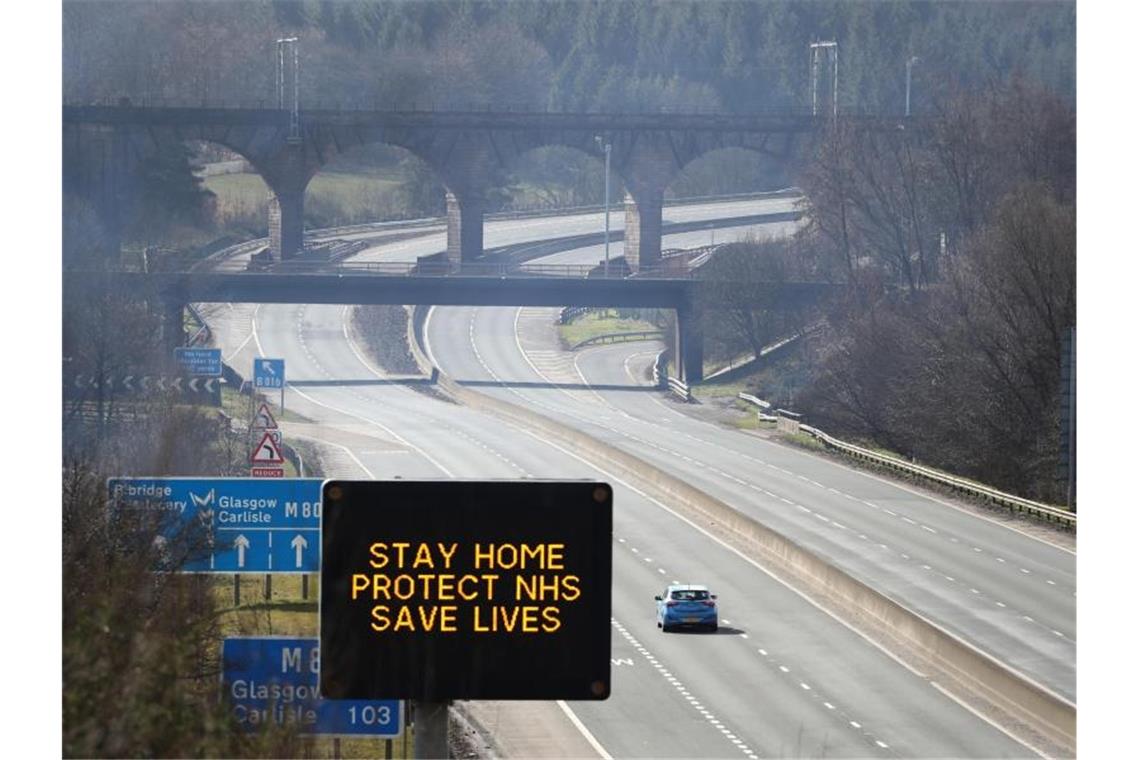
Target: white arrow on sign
<point>299,544</point>
<point>194,384</point>
<point>210,385</point>
<point>79,381</point>
<point>127,382</point>
<point>161,383</point>
<point>176,384</point>
<point>241,543</point>
<point>145,382</point>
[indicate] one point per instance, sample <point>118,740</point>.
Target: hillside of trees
<point>569,55</point>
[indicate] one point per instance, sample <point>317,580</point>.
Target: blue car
<point>686,605</point>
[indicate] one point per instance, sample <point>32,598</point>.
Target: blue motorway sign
<point>268,373</point>
<point>200,362</point>
<point>235,525</point>
<point>274,680</point>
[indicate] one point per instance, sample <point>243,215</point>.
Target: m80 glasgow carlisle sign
<point>231,525</point>
<point>465,590</point>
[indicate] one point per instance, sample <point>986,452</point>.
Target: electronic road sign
<point>274,680</point>
<point>232,525</point>
<point>438,590</point>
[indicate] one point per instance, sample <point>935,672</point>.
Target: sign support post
<point>431,729</point>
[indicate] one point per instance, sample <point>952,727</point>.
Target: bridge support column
<point>689,346</point>
<point>464,227</point>
<point>286,224</point>
<point>643,229</point>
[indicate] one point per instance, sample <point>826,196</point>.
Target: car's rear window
<point>690,596</point>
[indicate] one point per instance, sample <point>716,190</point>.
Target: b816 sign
<point>466,590</point>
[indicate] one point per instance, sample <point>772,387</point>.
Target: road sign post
<point>274,680</point>
<point>269,374</point>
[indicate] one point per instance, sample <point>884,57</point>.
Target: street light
<point>910,62</point>
<point>833,49</point>
<point>606,146</point>
<point>294,116</point>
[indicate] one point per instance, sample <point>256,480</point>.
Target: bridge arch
<point>729,170</point>
<point>370,182</point>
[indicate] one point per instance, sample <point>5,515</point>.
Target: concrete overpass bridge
<point>447,285</point>
<point>464,148</point>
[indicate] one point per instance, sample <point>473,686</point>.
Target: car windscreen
<point>690,596</point>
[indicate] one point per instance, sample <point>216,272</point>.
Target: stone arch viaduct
<point>648,150</point>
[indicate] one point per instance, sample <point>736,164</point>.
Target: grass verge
<point>597,323</point>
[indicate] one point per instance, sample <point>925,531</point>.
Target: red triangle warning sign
<point>266,451</point>
<point>263,420</point>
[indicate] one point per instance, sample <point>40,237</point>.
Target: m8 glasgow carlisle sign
<point>231,525</point>
<point>274,680</point>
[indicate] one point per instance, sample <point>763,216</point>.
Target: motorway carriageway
<point>782,678</point>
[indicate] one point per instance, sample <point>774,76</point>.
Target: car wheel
<point>666,628</point>
<point>712,627</point>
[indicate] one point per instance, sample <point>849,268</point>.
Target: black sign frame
<point>504,642</point>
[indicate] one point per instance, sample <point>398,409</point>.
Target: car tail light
<point>709,603</point>
<point>670,603</point>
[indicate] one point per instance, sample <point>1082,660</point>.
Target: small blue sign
<point>200,362</point>
<point>232,525</point>
<point>275,680</point>
<point>268,373</point>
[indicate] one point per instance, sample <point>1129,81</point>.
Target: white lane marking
<point>1024,570</point>
<point>853,723</point>
<point>829,706</point>
<point>589,737</point>
<point>380,425</point>
<point>348,451</point>
<point>804,686</point>
<point>929,529</point>
<point>945,692</point>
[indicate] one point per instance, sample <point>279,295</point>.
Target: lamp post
<point>294,116</point>
<point>909,63</point>
<point>606,146</point>
<point>833,50</point>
